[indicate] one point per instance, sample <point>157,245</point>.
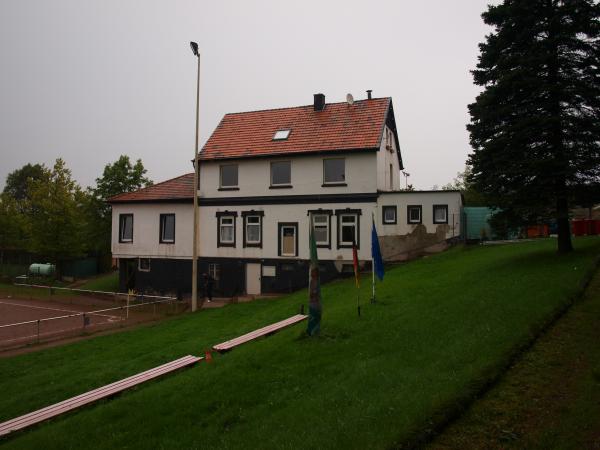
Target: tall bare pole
<point>372,259</point>
<point>196,175</point>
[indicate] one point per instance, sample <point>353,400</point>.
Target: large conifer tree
<point>535,128</point>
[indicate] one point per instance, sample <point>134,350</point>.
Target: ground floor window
<point>288,239</point>
<point>144,265</point>
<point>348,233</point>
<point>125,227</point>
<point>167,229</point>
<point>440,213</point>
<point>321,223</point>
<point>253,228</point>
<point>389,214</point>
<point>226,228</point>
<point>214,271</point>
<point>413,213</point>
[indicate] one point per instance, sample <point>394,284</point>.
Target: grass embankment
<point>443,328</point>
<point>550,398</point>
<point>106,282</point>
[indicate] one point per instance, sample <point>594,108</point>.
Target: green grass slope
<point>443,327</point>
<point>108,282</point>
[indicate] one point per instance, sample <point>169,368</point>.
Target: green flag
<point>314,288</point>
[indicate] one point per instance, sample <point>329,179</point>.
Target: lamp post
<point>194,47</point>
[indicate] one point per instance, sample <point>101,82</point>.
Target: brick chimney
<point>319,102</point>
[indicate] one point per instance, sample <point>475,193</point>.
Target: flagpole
<point>310,230</point>
<point>356,274</point>
<point>372,259</point>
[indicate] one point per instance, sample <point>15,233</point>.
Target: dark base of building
<point>174,275</point>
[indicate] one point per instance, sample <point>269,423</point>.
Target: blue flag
<point>376,253</point>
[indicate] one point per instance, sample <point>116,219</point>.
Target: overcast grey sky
<point>91,80</point>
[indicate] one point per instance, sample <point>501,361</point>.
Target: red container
<point>578,227</point>
<point>596,227</point>
<point>589,227</point>
<point>534,231</point>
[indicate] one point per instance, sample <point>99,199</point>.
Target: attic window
<point>281,135</point>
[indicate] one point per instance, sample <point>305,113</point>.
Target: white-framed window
<point>214,270</point>
<point>281,135</point>
<point>228,176</point>
<point>144,264</point>
<point>281,173</point>
<point>125,227</point>
<point>253,231</point>
<point>227,230</point>
<point>288,239</point>
<point>348,224</point>
<point>440,213</point>
<point>413,214</point>
<point>334,171</point>
<point>167,228</point>
<point>320,224</point>
<point>389,214</point>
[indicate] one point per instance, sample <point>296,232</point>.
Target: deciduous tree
<point>117,178</point>
<point>56,218</point>
<point>462,183</point>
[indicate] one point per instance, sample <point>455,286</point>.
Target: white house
<point>263,176</point>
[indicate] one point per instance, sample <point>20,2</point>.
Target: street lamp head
<point>194,47</point>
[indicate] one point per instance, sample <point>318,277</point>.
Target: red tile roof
<point>180,188</point>
<point>338,127</point>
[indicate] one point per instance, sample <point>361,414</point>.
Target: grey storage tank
<point>44,270</point>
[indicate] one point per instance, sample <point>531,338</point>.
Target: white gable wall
<point>254,176</point>
<point>385,157</point>
<point>146,230</point>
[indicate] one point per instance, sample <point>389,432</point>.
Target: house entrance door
<point>253,279</point>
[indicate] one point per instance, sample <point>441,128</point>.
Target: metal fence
<point>131,308</point>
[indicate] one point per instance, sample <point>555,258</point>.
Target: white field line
<point>51,333</point>
<point>91,313</point>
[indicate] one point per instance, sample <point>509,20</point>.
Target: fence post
<point>127,312</point>
<point>38,331</point>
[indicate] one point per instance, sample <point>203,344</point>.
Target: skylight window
<point>281,135</point>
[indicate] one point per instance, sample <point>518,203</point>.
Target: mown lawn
<point>549,399</point>
<point>443,328</point>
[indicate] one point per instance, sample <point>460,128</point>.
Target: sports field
<point>28,319</point>
<point>55,319</point>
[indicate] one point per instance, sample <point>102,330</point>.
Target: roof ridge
<point>301,106</point>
